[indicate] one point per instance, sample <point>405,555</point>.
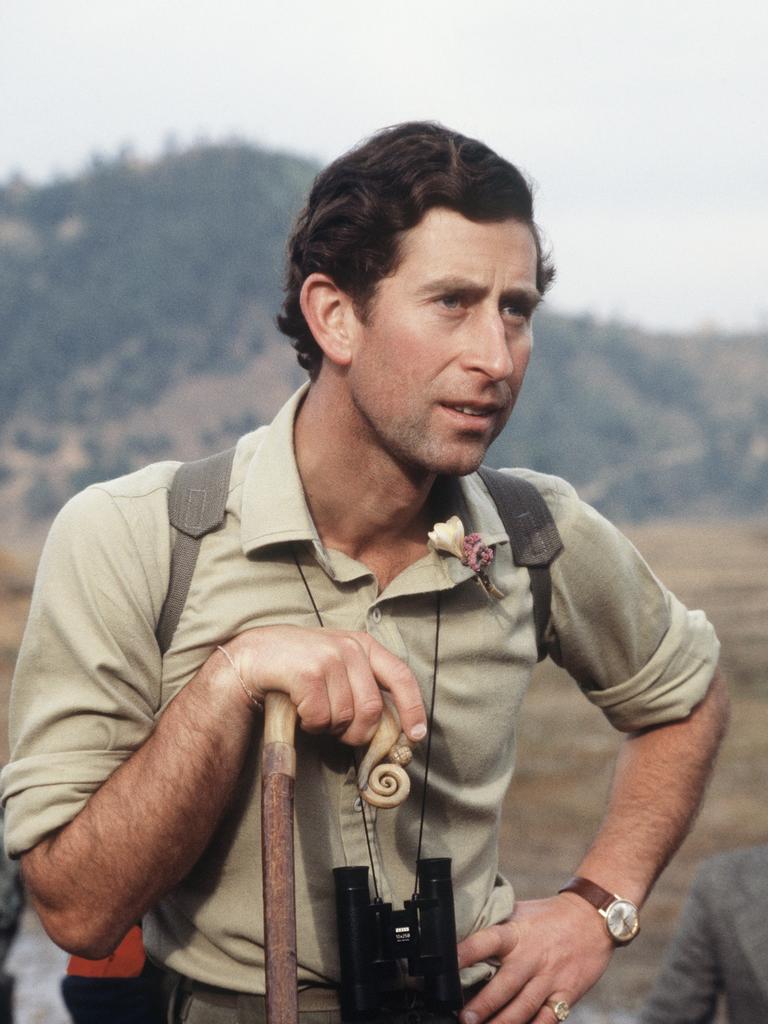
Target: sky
<point>642,125</point>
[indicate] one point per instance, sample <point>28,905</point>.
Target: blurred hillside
<point>137,306</point>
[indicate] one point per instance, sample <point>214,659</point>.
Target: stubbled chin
<point>462,468</point>
<point>458,463</point>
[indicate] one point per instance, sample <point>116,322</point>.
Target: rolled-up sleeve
<point>635,650</point>
<point>86,687</point>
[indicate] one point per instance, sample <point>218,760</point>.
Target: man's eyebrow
<point>451,283</point>
<point>531,297</point>
<point>528,297</point>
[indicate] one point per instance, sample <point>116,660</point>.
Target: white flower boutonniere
<point>471,550</point>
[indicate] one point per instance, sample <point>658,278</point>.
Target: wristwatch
<point>621,916</point>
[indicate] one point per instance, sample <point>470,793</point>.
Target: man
<point>414,273</point>
<point>720,951</point>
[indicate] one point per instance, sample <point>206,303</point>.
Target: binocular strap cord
<point>435,661</point>
<point>319,618</point>
<point>316,610</point>
<point>367,837</point>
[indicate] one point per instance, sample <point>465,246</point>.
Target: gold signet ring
<point>560,1008</point>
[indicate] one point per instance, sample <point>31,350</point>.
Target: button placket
<point>384,628</point>
<point>389,634</point>
<point>353,832</point>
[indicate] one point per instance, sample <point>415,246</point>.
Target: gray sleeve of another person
<point>721,946</point>
<point>688,985</point>
<point>11,898</point>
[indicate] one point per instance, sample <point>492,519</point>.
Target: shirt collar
<point>274,509</point>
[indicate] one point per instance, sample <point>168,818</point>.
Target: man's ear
<point>330,314</point>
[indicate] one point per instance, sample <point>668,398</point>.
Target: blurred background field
<point>566,751</point>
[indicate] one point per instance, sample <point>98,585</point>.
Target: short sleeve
<point>635,650</point>
<point>87,684</point>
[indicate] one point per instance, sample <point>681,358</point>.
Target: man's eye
<point>515,312</point>
<point>450,301</point>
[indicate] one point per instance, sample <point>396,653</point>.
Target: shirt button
<point>376,615</point>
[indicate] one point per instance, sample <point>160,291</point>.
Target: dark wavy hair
<point>361,204</point>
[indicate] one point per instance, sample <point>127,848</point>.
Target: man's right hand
<point>149,822</point>
<point>333,677</point>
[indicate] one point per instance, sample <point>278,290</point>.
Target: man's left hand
<point>551,948</point>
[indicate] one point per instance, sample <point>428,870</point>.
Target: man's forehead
<point>446,243</point>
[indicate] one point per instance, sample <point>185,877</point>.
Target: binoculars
<point>374,940</point>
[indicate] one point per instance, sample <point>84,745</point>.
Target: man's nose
<point>488,348</point>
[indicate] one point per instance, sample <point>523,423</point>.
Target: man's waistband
<point>314,998</point>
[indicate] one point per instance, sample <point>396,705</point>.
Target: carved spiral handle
<point>386,784</point>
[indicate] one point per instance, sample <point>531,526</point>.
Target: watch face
<point>622,920</point>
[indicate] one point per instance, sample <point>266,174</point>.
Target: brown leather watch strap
<point>593,893</point>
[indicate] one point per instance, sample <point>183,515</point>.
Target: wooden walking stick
<point>278,775</point>
<point>382,785</point>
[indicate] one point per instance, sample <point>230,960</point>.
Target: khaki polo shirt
<point>91,683</point>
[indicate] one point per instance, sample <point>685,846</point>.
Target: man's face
<point>437,368</point>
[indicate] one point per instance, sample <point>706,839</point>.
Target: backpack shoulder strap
<point>196,505</point>
<point>533,535</point>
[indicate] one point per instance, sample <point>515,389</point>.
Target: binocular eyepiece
<point>374,939</point>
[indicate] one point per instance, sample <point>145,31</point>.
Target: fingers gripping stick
<point>383,785</point>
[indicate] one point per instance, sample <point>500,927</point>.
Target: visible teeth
<point>469,412</point>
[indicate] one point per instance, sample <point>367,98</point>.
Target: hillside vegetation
<point>137,306</point>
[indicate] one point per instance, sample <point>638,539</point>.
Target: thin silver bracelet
<point>251,696</point>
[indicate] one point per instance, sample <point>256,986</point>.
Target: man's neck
<point>363,502</point>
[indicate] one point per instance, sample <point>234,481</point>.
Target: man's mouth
<point>479,411</point>
<point>469,411</point>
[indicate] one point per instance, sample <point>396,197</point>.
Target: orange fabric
<point>127,961</point>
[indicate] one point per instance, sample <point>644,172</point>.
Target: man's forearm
<point>147,825</point>
<point>145,828</point>
<point>559,946</point>
<point>659,783</point>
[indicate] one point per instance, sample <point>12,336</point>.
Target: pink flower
<point>470,550</point>
<point>476,554</point>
